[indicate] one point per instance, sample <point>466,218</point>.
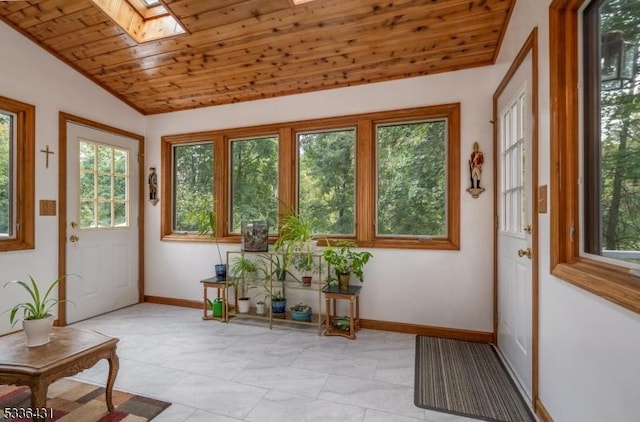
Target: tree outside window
<point>192,184</point>
<point>254,181</point>
<point>612,130</point>
<point>412,179</point>
<point>7,198</point>
<point>326,180</point>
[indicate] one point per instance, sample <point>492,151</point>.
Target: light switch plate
<point>47,207</point>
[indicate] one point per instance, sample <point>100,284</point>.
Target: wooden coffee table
<point>69,352</point>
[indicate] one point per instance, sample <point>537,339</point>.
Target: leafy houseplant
<point>244,272</point>
<point>295,236</point>
<point>36,317</point>
<point>301,312</point>
<point>207,226</point>
<point>345,261</point>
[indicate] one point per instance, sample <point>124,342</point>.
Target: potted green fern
<point>345,261</point>
<point>35,313</point>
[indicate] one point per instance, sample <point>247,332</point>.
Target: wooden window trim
<point>365,172</point>
<point>25,175</point>
<point>611,282</point>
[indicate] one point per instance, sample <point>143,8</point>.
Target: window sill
<point>15,245</point>
<point>610,282</point>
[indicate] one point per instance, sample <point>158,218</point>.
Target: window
<point>387,179</point>
<point>192,185</point>
<point>326,180</point>
<point>612,131</point>
<point>585,247</point>
<point>17,175</point>
<point>254,181</point>
<point>104,186</point>
<point>412,179</point>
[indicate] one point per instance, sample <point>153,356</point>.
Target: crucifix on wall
<point>47,152</point>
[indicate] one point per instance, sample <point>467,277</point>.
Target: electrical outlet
<point>47,207</point>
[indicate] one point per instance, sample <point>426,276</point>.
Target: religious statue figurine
<point>475,166</point>
<point>153,184</point>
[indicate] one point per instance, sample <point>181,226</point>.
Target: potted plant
<point>244,272</point>
<point>294,236</point>
<point>345,261</point>
<point>305,265</point>
<point>301,312</point>
<point>36,317</point>
<point>278,302</point>
<point>207,227</point>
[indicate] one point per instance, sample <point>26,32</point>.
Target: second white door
<point>514,224</point>
<point>102,218</point>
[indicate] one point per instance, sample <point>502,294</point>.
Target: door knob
<point>73,238</point>
<point>524,252</point>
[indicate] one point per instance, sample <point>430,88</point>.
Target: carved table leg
<point>39,397</point>
<point>114,365</point>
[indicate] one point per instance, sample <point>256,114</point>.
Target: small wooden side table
<point>351,294</point>
<point>70,351</point>
<point>221,288</point>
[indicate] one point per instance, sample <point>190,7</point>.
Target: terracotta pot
<point>306,280</point>
<point>38,331</point>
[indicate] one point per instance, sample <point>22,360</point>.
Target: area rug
<point>74,401</point>
<point>466,379</point>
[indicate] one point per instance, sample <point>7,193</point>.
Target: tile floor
<point>242,371</point>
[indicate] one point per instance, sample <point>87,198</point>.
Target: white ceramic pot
<point>260,308</point>
<point>244,305</point>
<point>38,331</point>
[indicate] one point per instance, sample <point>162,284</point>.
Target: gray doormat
<point>467,379</point>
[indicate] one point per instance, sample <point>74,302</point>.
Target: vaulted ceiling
<point>241,50</point>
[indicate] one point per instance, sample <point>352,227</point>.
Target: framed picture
<point>255,236</point>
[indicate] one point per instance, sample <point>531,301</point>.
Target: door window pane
<point>192,184</point>
<point>326,180</point>
<point>412,179</point>
<point>254,181</point>
<point>103,186</point>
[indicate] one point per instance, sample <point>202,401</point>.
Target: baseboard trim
<point>173,302</point>
<point>542,412</point>
<point>426,330</point>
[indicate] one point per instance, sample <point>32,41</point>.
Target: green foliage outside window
<point>619,146</point>
<point>412,179</point>
<point>103,186</point>
<point>254,181</point>
<point>326,181</point>
<point>193,184</point>
<point>5,173</point>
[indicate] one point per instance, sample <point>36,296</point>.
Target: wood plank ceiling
<point>242,50</point>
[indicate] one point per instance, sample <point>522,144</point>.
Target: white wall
<point>589,348</point>
<point>439,288</point>
<point>31,75</point>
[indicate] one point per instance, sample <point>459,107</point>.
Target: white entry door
<point>102,219</point>
<point>514,224</point>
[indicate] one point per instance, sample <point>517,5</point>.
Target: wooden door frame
<point>530,46</point>
<point>63,119</point>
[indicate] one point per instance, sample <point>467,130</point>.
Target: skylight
<point>143,20</point>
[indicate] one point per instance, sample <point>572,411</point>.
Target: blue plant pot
<point>301,316</point>
<point>278,306</point>
<point>221,271</point>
